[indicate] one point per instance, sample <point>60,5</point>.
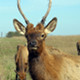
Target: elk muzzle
<point>32,45</point>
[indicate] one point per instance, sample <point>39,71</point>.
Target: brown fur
<point>53,50</point>
<point>78,47</point>
<point>21,60</point>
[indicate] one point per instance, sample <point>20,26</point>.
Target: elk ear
<point>51,26</point>
<point>19,27</point>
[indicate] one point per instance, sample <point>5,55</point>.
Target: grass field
<point>8,50</point>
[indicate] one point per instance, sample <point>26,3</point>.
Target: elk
<point>21,60</point>
<point>42,64</point>
<point>78,47</point>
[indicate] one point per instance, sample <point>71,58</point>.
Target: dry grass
<point>8,50</point>
<point>64,43</point>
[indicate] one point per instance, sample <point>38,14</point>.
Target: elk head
<point>22,75</point>
<point>35,35</point>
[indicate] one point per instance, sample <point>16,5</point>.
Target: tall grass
<point>8,50</point>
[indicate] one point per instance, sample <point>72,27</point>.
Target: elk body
<point>42,64</point>
<point>21,60</point>
<point>78,47</point>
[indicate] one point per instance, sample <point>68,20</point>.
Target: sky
<point>66,11</point>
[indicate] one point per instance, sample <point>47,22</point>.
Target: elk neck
<point>21,62</point>
<point>42,63</point>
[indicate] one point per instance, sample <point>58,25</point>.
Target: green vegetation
<point>11,34</point>
<point>8,50</point>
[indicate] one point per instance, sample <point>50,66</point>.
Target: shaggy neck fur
<point>41,65</point>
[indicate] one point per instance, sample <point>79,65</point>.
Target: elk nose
<point>33,43</point>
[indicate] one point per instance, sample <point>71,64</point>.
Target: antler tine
<point>49,8</point>
<point>18,4</point>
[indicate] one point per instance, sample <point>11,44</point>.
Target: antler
<point>18,4</point>
<point>44,17</point>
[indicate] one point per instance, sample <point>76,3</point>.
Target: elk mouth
<point>32,47</point>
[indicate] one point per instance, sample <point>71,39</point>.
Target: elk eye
<point>42,35</point>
